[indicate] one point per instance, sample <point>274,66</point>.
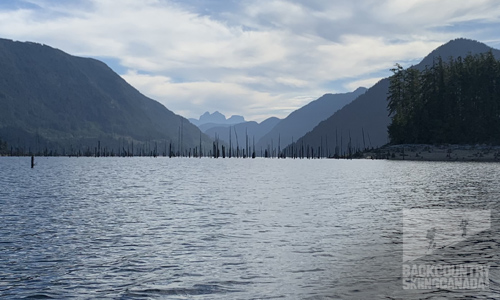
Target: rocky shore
<point>420,152</point>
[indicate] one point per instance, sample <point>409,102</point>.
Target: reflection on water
<point>230,229</point>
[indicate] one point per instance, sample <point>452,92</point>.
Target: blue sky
<point>256,58</point>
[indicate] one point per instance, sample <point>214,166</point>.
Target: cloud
<point>367,83</point>
<point>256,58</point>
<point>231,98</point>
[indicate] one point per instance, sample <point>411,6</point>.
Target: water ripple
<point>144,228</point>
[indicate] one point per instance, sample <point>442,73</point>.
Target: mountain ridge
<point>52,99</point>
<point>216,118</point>
<point>304,119</point>
<point>364,121</point>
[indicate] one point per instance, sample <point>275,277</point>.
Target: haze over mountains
<point>274,131</point>
<point>50,99</point>
<point>233,130</point>
<point>255,131</point>
<point>365,119</point>
<point>208,120</point>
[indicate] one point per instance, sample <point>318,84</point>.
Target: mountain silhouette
<point>53,100</point>
<point>304,119</point>
<point>208,120</point>
<point>364,121</point>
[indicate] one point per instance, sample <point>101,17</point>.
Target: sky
<point>256,58</point>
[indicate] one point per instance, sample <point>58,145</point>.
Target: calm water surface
<point>160,228</point>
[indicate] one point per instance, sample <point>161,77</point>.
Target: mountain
<point>216,119</point>
<point>455,48</point>
<point>254,130</point>
<point>306,118</point>
<point>53,100</point>
<point>207,126</point>
<point>366,119</point>
<point>235,119</point>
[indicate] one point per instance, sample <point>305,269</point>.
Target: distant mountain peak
<point>217,118</point>
<point>236,119</point>
<point>361,89</point>
<point>455,48</point>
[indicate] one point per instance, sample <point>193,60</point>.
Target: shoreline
<point>423,152</point>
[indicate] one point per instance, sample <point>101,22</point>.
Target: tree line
<point>451,102</point>
<point>3,147</point>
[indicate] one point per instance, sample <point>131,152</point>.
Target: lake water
<point>160,228</point>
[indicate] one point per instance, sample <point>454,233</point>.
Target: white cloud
<point>258,58</point>
<point>230,98</point>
